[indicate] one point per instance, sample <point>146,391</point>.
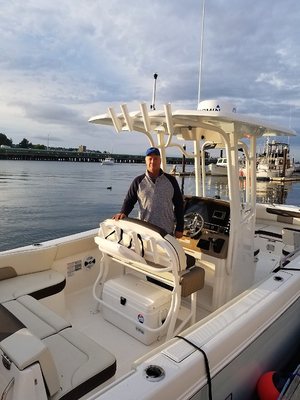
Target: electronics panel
<point>213,238</point>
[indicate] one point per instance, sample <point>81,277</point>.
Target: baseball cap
<point>152,150</point>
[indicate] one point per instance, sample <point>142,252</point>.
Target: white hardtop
<point>191,124</point>
<point>215,123</point>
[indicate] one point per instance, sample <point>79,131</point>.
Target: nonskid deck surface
<point>268,240</point>
<point>83,314</point>
<point>267,259</point>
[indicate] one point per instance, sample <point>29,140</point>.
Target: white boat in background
<point>108,161</point>
<point>219,168</point>
<point>275,161</point>
<point>297,166</point>
<point>80,318</point>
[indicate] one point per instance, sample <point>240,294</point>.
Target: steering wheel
<point>193,224</point>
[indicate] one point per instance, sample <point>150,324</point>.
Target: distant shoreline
<point>75,156</point>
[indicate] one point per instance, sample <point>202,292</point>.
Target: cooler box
<point>144,302</point>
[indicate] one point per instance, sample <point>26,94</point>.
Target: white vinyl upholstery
<point>32,283</point>
<point>79,361</point>
<point>42,321</point>
<point>24,349</point>
<point>71,363</point>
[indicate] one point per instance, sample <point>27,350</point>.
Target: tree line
<point>24,144</point>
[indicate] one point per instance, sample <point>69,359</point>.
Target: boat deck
<point>83,314</point>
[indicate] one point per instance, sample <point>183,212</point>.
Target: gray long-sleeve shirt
<point>160,201</point>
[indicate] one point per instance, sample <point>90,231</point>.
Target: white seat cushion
<point>82,364</point>
<point>40,320</point>
<point>69,360</point>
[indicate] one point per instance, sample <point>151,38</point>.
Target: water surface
<point>42,200</point>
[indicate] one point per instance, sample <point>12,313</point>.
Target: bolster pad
<point>192,281</point>
<point>81,363</point>
<point>24,349</point>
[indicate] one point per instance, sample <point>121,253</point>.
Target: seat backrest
<point>27,261</point>
<point>140,242</point>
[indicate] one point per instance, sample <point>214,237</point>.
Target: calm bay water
<point>42,200</point>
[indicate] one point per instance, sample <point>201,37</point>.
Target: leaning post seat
<point>152,252</point>
<point>290,239</point>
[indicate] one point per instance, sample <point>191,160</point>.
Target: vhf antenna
<point>201,52</point>
<point>152,106</point>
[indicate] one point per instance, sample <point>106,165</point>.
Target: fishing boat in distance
<point>275,161</point>
<point>108,161</point>
<point>80,318</point>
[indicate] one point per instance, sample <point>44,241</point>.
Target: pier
<point>293,177</point>
<point>74,156</point>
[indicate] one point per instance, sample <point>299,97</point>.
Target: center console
<point>213,238</point>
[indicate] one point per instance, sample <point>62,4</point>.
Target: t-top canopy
<point>210,122</point>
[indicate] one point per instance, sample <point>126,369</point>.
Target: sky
<point>62,62</point>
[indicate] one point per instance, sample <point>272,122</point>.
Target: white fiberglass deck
<point>82,314</point>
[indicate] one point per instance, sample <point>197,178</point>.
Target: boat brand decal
<point>141,318</point>
<point>216,108</point>
<point>89,262</point>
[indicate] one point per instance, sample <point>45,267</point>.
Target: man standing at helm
<point>159,197</point>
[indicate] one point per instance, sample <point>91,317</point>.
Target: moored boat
<point>219,168</point>
<point>274,162</point>
<point>85,322</point>
<point>297,166</point>
<point>108,161</point>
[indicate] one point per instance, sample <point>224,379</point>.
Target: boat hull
<point>108,161</point>
<point>268,174</point>
<point>217,170</point>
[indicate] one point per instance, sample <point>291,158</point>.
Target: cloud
<point>271,79</point>
<point>63,61</point>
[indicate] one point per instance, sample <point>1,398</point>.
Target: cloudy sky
<point>64,61</point>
